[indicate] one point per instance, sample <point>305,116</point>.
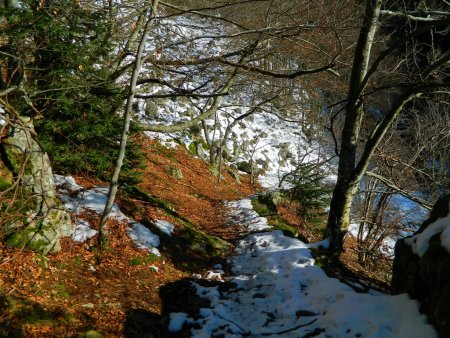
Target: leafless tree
<point>369,61</point>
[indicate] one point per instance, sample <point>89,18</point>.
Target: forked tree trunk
<point>348,177</point>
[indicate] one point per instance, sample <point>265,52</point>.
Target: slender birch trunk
<point>113,187</point>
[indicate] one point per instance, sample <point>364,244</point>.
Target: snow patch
<point>165,227</point>
<point>94,200</point>
<point>65,183</point>
<point>215,275</point>
<point>2,120</point>
<point>143,237</point>
<point>82,231</point>
<point>419,242</point>
<point>154,268</point>
<point>245,217</point>
<point>177,321</point>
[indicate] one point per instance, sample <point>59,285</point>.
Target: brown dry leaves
<point>80,288</point>
<point>197,195</point>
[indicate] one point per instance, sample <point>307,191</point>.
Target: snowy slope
<point>271,144</point>
<point>78,200</point>
<point>281,293</point>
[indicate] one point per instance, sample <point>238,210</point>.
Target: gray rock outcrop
<point>47,221</point>
<point>422,267</point>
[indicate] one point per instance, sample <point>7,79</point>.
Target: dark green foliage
<point>309,190</point>
<point>64,50</point>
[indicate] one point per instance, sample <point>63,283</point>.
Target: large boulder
<point>422,266</point>
<point>46,220</point>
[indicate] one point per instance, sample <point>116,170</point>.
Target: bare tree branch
<point>175,94</point>
<point>292,75</point>
<point>426,16</point>
<point>183,125</point>
<point>399,190</point>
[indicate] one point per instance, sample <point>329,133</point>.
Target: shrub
<point>307,187</point>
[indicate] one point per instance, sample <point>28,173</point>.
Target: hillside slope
<point>80,289</point>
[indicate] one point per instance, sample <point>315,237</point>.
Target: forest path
<point>275,290</point>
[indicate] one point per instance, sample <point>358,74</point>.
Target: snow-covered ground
<point>243,215</point>
<point>78,200</point>
<point>281,293</point>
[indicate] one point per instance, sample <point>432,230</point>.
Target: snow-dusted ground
<point>281,293</point>
<point>243,215</point>
<point>76,200</point>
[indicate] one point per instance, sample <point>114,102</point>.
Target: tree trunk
<point>339,216</point>
<point>113,187</point>
<point>348,177</point>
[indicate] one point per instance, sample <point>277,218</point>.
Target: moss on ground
<point>15,313</point>
<point>191,247</point>
<point>5,183</point>
<point>139,194</point>
<point>274,220</point>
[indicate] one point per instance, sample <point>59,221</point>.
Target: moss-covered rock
<point>271,199</point>
<point>28,162</point>
<point>174,171</point>
<point>234,172</point>
<point>245,167</point>
<point>265,207</point>
<point>199,148</point>
<point>5,183</point>
<point>46,222</point>
<point>41,233</point>
<point>202,242</point>
<point>90,334</point>
<point>6,177</point>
